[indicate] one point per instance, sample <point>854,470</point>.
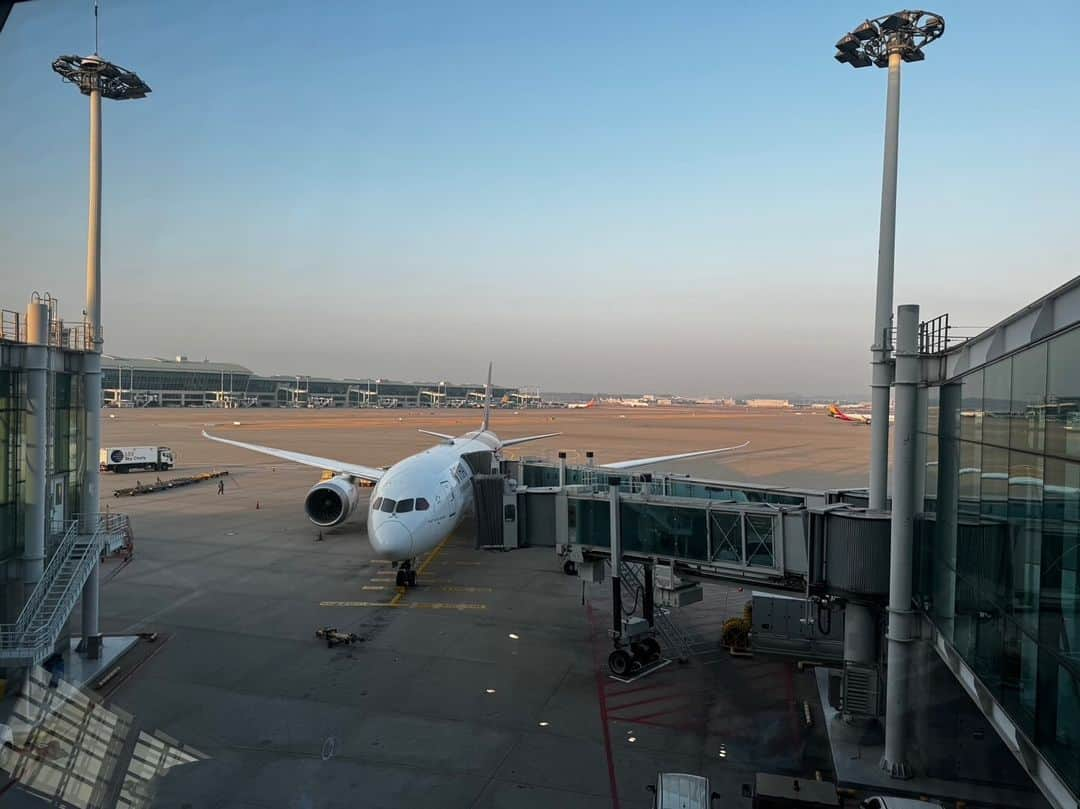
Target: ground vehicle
<point>124,459</point>
<point>889,802</point>
<point>678,790</point>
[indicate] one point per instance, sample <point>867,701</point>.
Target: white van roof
<point>677,790</point>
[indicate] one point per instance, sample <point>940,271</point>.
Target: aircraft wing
<point>664,458</point>
<point>510,442</point>
<point>437,435</point>
<point>341,467</point>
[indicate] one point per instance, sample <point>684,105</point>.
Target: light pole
<point>885,42</point>
<point>95,78</point>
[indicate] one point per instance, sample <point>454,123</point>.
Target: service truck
<point>124,459</point>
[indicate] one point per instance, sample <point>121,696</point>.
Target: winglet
<point>487,401</point>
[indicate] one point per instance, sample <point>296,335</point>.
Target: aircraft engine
<point>331,501</point>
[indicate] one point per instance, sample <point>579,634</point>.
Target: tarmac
<point>485,686</point>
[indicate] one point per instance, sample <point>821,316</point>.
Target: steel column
<point>901,615</point>
<point>89,499</point>
<point>882,345</point>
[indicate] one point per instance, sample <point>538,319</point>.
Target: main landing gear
<point>406,576</point>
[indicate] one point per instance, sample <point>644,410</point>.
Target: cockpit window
<point>376,504</point>
<point>404,505</point>
<point>421,504</point>
<point>387,506</point>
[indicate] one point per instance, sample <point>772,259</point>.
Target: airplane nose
<point>392,540</point>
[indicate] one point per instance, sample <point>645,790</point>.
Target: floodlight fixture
<point>92,72</point>
<point>904,32</point>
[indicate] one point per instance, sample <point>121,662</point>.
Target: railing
<point>31,638</point>
<point>70,338</point>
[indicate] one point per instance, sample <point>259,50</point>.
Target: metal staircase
<point>674,638</point>
<point>32,637</point>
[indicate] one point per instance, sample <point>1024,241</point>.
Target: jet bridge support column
<point>616,558</point>
<point>901,540</point>
<point>562,470</point>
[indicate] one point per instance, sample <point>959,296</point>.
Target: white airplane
<point>419,501</point>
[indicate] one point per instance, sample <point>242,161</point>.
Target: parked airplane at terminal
<point>419,501</point>
<point>581,405</point>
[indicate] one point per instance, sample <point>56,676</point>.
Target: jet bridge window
<point>422,504</point>
<point>404,505</point>
<point>387,506</point>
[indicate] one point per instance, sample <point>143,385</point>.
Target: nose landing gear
<point>406,576</point>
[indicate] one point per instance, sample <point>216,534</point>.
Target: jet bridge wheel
<point>650,648</point>
<point>620,662</point>
<point>569,567</point>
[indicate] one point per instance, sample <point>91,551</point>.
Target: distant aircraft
<point>855,418</point>
<point>419,501</point>
<point>581,405</point>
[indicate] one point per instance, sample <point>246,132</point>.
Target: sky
<point>596,196</point>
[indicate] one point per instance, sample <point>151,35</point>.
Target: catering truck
<point>124,459</point>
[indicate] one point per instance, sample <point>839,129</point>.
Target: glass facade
<point>1002,571</point>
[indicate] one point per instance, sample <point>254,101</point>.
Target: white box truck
<point>124,459</point>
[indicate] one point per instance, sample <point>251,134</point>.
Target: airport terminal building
<point>180,382</point>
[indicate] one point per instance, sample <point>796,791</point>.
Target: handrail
<point>31,637</point>
<point>50,572</point>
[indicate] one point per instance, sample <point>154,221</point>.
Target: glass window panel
<point>592,522</point>
<point>1063,396</point>
<point>726,529</point>
<point>970,485</point>
<point>1025,517</point>
<point>994,482</point>
<point>933,399</point>
<point>1028,411</point>
<point>997,400</point>
<point>759,540</point>
<point>971,407</point>
<point>930,472</point>
<point>663,530</point>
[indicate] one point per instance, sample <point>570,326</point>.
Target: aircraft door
<point>449,497</point>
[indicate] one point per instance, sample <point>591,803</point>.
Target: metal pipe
<point>616,556</point>
<point>37,419</point>
<point>89,497</point>
<point>901,615</point>
<point>881,347</point>
<point>93,233</point>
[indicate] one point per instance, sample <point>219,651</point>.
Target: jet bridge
<point>680,531</point>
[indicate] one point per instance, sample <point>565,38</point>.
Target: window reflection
<point>1010,602</point>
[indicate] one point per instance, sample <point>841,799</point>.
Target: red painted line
<point>669,712</point>
<point>674,695</point>
<point>652,687</point>
<point>602,699</point>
